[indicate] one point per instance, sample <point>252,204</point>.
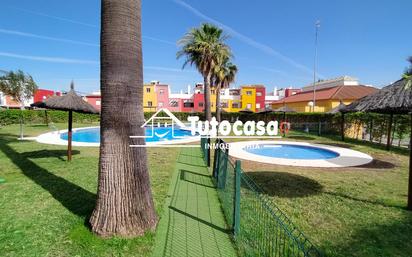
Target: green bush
<point>13,116</point>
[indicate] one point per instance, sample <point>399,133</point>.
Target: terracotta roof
<point>334,93</point>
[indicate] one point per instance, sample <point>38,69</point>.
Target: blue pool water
<point>292,152</point>
<point>92,135</point>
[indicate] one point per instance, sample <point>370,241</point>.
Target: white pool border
<point>346,158</point>
<point>53,138</point>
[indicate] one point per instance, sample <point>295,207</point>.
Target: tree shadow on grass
<point>298,137</point>
<point>374,202</point>
<point>378,164</point>
<point>390,239</point>
<point>73,197</point>
<point>283,184</point>
<point>59,154</point>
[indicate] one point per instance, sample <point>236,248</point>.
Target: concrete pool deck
<point>346,158</point>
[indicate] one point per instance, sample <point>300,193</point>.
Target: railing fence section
<point>259,227</point>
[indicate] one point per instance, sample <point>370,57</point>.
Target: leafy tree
<point>20,87</point>
<point>203,47</point>
<point>124,204</point>
<point>224,75</point>
<point>408,73</point>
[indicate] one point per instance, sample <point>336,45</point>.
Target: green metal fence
<point>204,145</point>
<point>260,228</point>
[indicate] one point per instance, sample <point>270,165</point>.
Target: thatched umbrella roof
<point>393,99</point>
<point>266,110</point>
<point>340,108</point>
<point>284,109</point>
<point>68,102</point>
<point>246,110</point>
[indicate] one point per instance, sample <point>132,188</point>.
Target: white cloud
<point>25,34</point>
<point>160,40</point>
<point>247,40</point>
<point>160,68</point>
<point>48,59</point>
<point>56,17</point>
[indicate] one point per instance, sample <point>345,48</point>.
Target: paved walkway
<point>192,223</point>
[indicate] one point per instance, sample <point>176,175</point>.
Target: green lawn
<point>45,201</point>
<point>345,211</point>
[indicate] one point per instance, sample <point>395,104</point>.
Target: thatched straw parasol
<point>338,109</point>
<point>246,110</point>
<point>266,110</point>
<point>341,108</point>
<point>393,99</point>
<point>70,102</point>
<point>285,110</point>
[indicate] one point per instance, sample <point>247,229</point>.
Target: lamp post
<point>317,26</point>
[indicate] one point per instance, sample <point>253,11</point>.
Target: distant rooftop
<point>340,81</point>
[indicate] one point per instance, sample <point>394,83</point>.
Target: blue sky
<point>272,41</point>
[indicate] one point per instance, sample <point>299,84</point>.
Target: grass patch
<point>46,201</point>
<point>354,211</point>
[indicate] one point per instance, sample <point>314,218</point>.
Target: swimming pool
<point>91,136</point>
<point>293,153</point>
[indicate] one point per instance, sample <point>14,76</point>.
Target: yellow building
<point>149,97</point>
<point>231,100</point>
<point>326,98</point>
<point>248,95</point>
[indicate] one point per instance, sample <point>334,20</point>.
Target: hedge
<point>13,116</point>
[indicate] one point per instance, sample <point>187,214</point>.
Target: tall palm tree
<point>203,47</point>
<point>224,75</point>
<point>124,204</point>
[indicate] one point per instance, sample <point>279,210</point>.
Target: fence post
<point>216,160</point>
<point>208,151</point>
<point>236,213</point>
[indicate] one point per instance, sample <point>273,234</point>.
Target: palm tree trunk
<point>124,204</point>
<point>218,108</point>
<point>208,111</point>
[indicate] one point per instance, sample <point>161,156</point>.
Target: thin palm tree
<point>224,75</point>
<point>124,204</point>
<point>203,47</point>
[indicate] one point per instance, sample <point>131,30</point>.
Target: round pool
<point>297,154</point>
<point>291,151</point>
<point>91,136</point>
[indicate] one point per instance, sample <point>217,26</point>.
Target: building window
<point>147,89</point>
<point>223,105</point>
<point>236,105</point>
<point>249,106</point>
<point>200,104</point>
<point>211,105</point>
<point>248,92</point>
<point>160,104</point>
<point>150,104</point>
<point>97,102</point>
<point>161,91</point>
<point>257,106</point>
<point>213,92</point>
<point>258,93</point>
<point>173,103</point>
<point>188,104</point>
